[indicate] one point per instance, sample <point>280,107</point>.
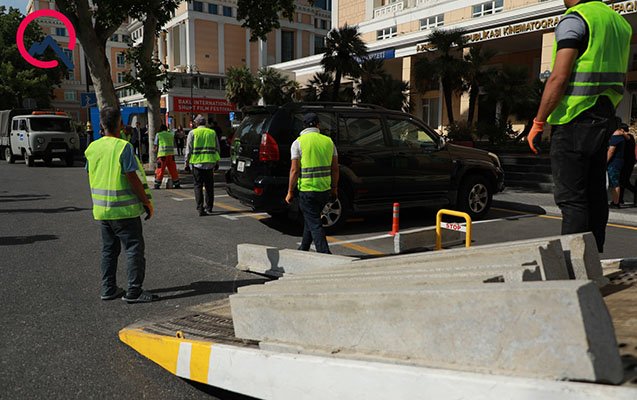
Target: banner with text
<point>204,106</point>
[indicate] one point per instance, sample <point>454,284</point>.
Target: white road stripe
<point>243,215</point>
<point>183,360</point>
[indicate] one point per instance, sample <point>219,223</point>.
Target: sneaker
<point>202,213</point>
<point>157,186</point>
<point>614,205</point>
<point>209,210</point>
<point>144,297</point>
<point>176,186</point>
<point>119,292</point>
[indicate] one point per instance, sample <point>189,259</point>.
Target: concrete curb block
<point>419,239</point>
<point>552,330</point>
<point>274,262</point>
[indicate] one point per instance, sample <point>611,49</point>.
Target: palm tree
<point>241,86</point>
<point>476,75</point>
<point>447,66</point>
<point>274,88</point>
<point>343,50</point>
<point>376,86</point>
<point>319,86</point>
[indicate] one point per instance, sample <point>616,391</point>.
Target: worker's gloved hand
<point>150,211</point>
<point>535,136</point>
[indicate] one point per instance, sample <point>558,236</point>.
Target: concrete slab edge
<point>303,377</point>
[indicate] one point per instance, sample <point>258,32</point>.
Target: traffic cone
<point>395,219</point>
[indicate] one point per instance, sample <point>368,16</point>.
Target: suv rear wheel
<point>335,212</point>
<point>474,196</point>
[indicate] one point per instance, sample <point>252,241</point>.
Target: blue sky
<point>21,4</point>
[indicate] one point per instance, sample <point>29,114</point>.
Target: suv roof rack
<point>325,104</point>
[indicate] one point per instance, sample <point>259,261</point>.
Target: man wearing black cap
<point>315,170</point>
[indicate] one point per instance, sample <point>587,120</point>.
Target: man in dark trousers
<point>590,59</point>
<point>120,195</point>
<point>202,153</point>
<point>315,170</point>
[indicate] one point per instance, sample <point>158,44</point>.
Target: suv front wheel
<point>474,196</point>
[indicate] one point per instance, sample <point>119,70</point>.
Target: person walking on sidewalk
<point>165,150</point>
<point>202,153</point>
<point>315,170</point>
<point>615,159</point>
<point>590,59</point>
<point>120,195</point>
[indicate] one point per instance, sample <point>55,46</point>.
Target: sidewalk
<point>543,203</point>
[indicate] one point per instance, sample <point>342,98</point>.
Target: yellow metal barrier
<point>456,227</point>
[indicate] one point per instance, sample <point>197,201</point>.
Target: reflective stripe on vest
<point>165,144</point>
<point>317,151</point>
<point>204,146</point>
<point>112,196</point>
<point>601,69</point>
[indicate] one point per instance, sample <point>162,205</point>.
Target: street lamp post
<point>191,69</point>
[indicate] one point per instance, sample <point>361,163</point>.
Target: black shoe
<point>143,297</point>
<point>176,186</point>
<point>157,186</point>
<point>209,210</point>
<point>614,205</point>
<point>117,293</point>
<point>202,213</point>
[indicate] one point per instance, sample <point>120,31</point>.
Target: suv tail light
<point>269,149</point>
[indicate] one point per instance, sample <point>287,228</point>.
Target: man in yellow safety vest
<point>165,150</point>
<point>120,195</point>
<point>590,59</point>
<point>315,170</point>
<point>202,152</point>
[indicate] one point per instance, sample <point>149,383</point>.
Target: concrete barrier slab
<point>556,330</point>
<point>274,262</point>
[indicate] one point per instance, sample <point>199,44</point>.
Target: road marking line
<point>182,198</point>
<point>356,247</point>
<point>247,213</point>
<point>619,226</point>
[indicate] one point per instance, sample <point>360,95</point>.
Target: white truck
<point>37,135</point>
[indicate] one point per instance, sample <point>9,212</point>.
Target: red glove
<point>535,135</point>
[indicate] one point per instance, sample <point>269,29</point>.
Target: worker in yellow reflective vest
<point>315,171</point>
<point>590,59</point>
<point>120,195</point>
<point>165,150</point>
<point>202,153</point>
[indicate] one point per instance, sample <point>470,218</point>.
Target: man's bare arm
<point>295,168</point>
<point>557,83</point>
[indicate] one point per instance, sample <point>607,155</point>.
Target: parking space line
<point>356,247</point>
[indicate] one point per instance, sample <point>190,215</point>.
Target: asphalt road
<point>60,340</point>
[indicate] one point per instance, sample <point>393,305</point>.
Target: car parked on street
<point>385,156</point>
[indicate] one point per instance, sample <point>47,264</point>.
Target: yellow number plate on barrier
<point>452,226</point>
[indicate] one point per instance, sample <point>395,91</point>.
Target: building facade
<point>77,81</point>
<point>204,39</point>
<point>521,32</point>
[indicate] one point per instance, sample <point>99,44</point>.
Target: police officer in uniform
<point>202,153</point>
<point>315,170</point>
<point>590,59</point>
<point>120,195</point>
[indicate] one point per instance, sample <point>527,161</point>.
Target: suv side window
<point>327,123</point>
<point>365,131</point>
<point>405,133</point>
<point>14,126</point>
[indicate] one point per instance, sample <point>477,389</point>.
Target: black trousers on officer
<point>204,178</point>
<point>578,163</point>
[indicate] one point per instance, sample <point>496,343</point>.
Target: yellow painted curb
<point>185,358</point>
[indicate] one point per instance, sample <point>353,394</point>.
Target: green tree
<point>319,87</point>
<point>446,65</point>
<point>241,86</point>
<point>96,21</point>
<point>378,87</point>
<point>344,48</point>
<point>274,88</point>
<point>476,74</point>
<point>20,80</point>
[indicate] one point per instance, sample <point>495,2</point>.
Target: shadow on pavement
<point>19,240</point>
<point>218,393</point>
<point>43,210</point>
<point>205,287</point>
<point>510,205</point>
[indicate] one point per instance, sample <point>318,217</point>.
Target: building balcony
<point>388,10</point>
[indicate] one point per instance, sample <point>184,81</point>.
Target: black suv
<point>385,157</point>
